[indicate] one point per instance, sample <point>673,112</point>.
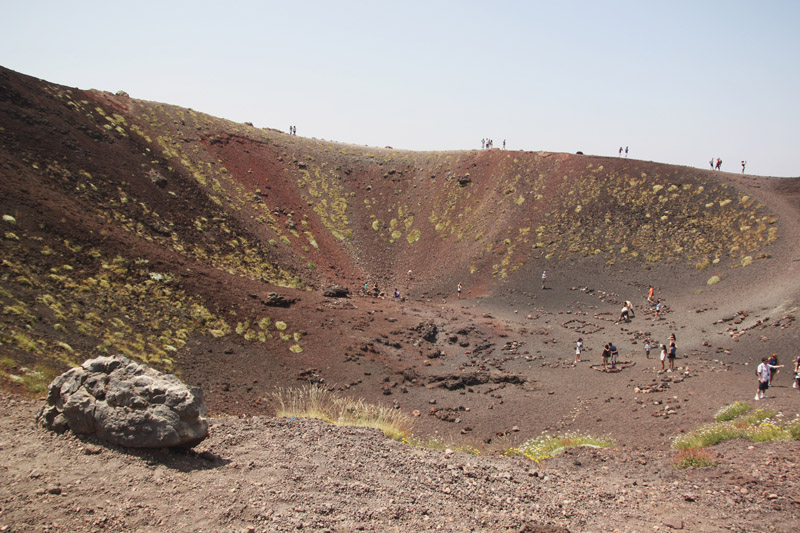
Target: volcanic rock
<point>125,403</point>
<point>336,291</point>
<point>428,331</point>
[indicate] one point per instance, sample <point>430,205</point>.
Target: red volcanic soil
<point>131,218</point>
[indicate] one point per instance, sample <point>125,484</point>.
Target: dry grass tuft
<point>316,402</point>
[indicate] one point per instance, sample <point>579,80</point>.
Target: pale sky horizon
<point>677,82</point>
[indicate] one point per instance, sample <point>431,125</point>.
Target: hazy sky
<point>676,81</point>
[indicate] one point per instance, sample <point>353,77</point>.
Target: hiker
<point>719,163</point>
<point>614,354</point>
<point>658,311</point>
<point>409,273</point>
<point>711,163</point>
<point>744,163</point>
<point>578,349</point>
<point>626,151</point>
<point>504,144</point>
<point>773,362</point>
<point>483,144</point>
<point>663,357</point>
<point>606,354</point>
<point>396,294</point>
<point>623,315</point>
<point>647,348</point>
<point>629,305</point>
<point>620,152</point>
<point>764,373</point>
<point>544,278</point>
<point>796,384</point>
<point>459,290</point>
<point>673,351</point>
<point>650,293</point>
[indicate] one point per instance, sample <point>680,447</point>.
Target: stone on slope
<point>336,291</point>
<point>125,403</point>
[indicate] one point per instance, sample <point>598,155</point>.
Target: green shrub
<point>708,435</point>
<point>761,426</point>
<point>547,446</point>
<point>794,428</point>
<point>703,264</point>
<point>768,432</point>
<point>757,417</point>
<point>731,411</point>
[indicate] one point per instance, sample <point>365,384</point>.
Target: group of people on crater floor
<point>610,353</point>
<point>768,370</point>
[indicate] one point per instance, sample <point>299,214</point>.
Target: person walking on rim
<point>578,349</point>
<point>544,279</point>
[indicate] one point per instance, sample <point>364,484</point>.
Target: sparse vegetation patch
<point>317,402</point>
<point>547,446</point>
